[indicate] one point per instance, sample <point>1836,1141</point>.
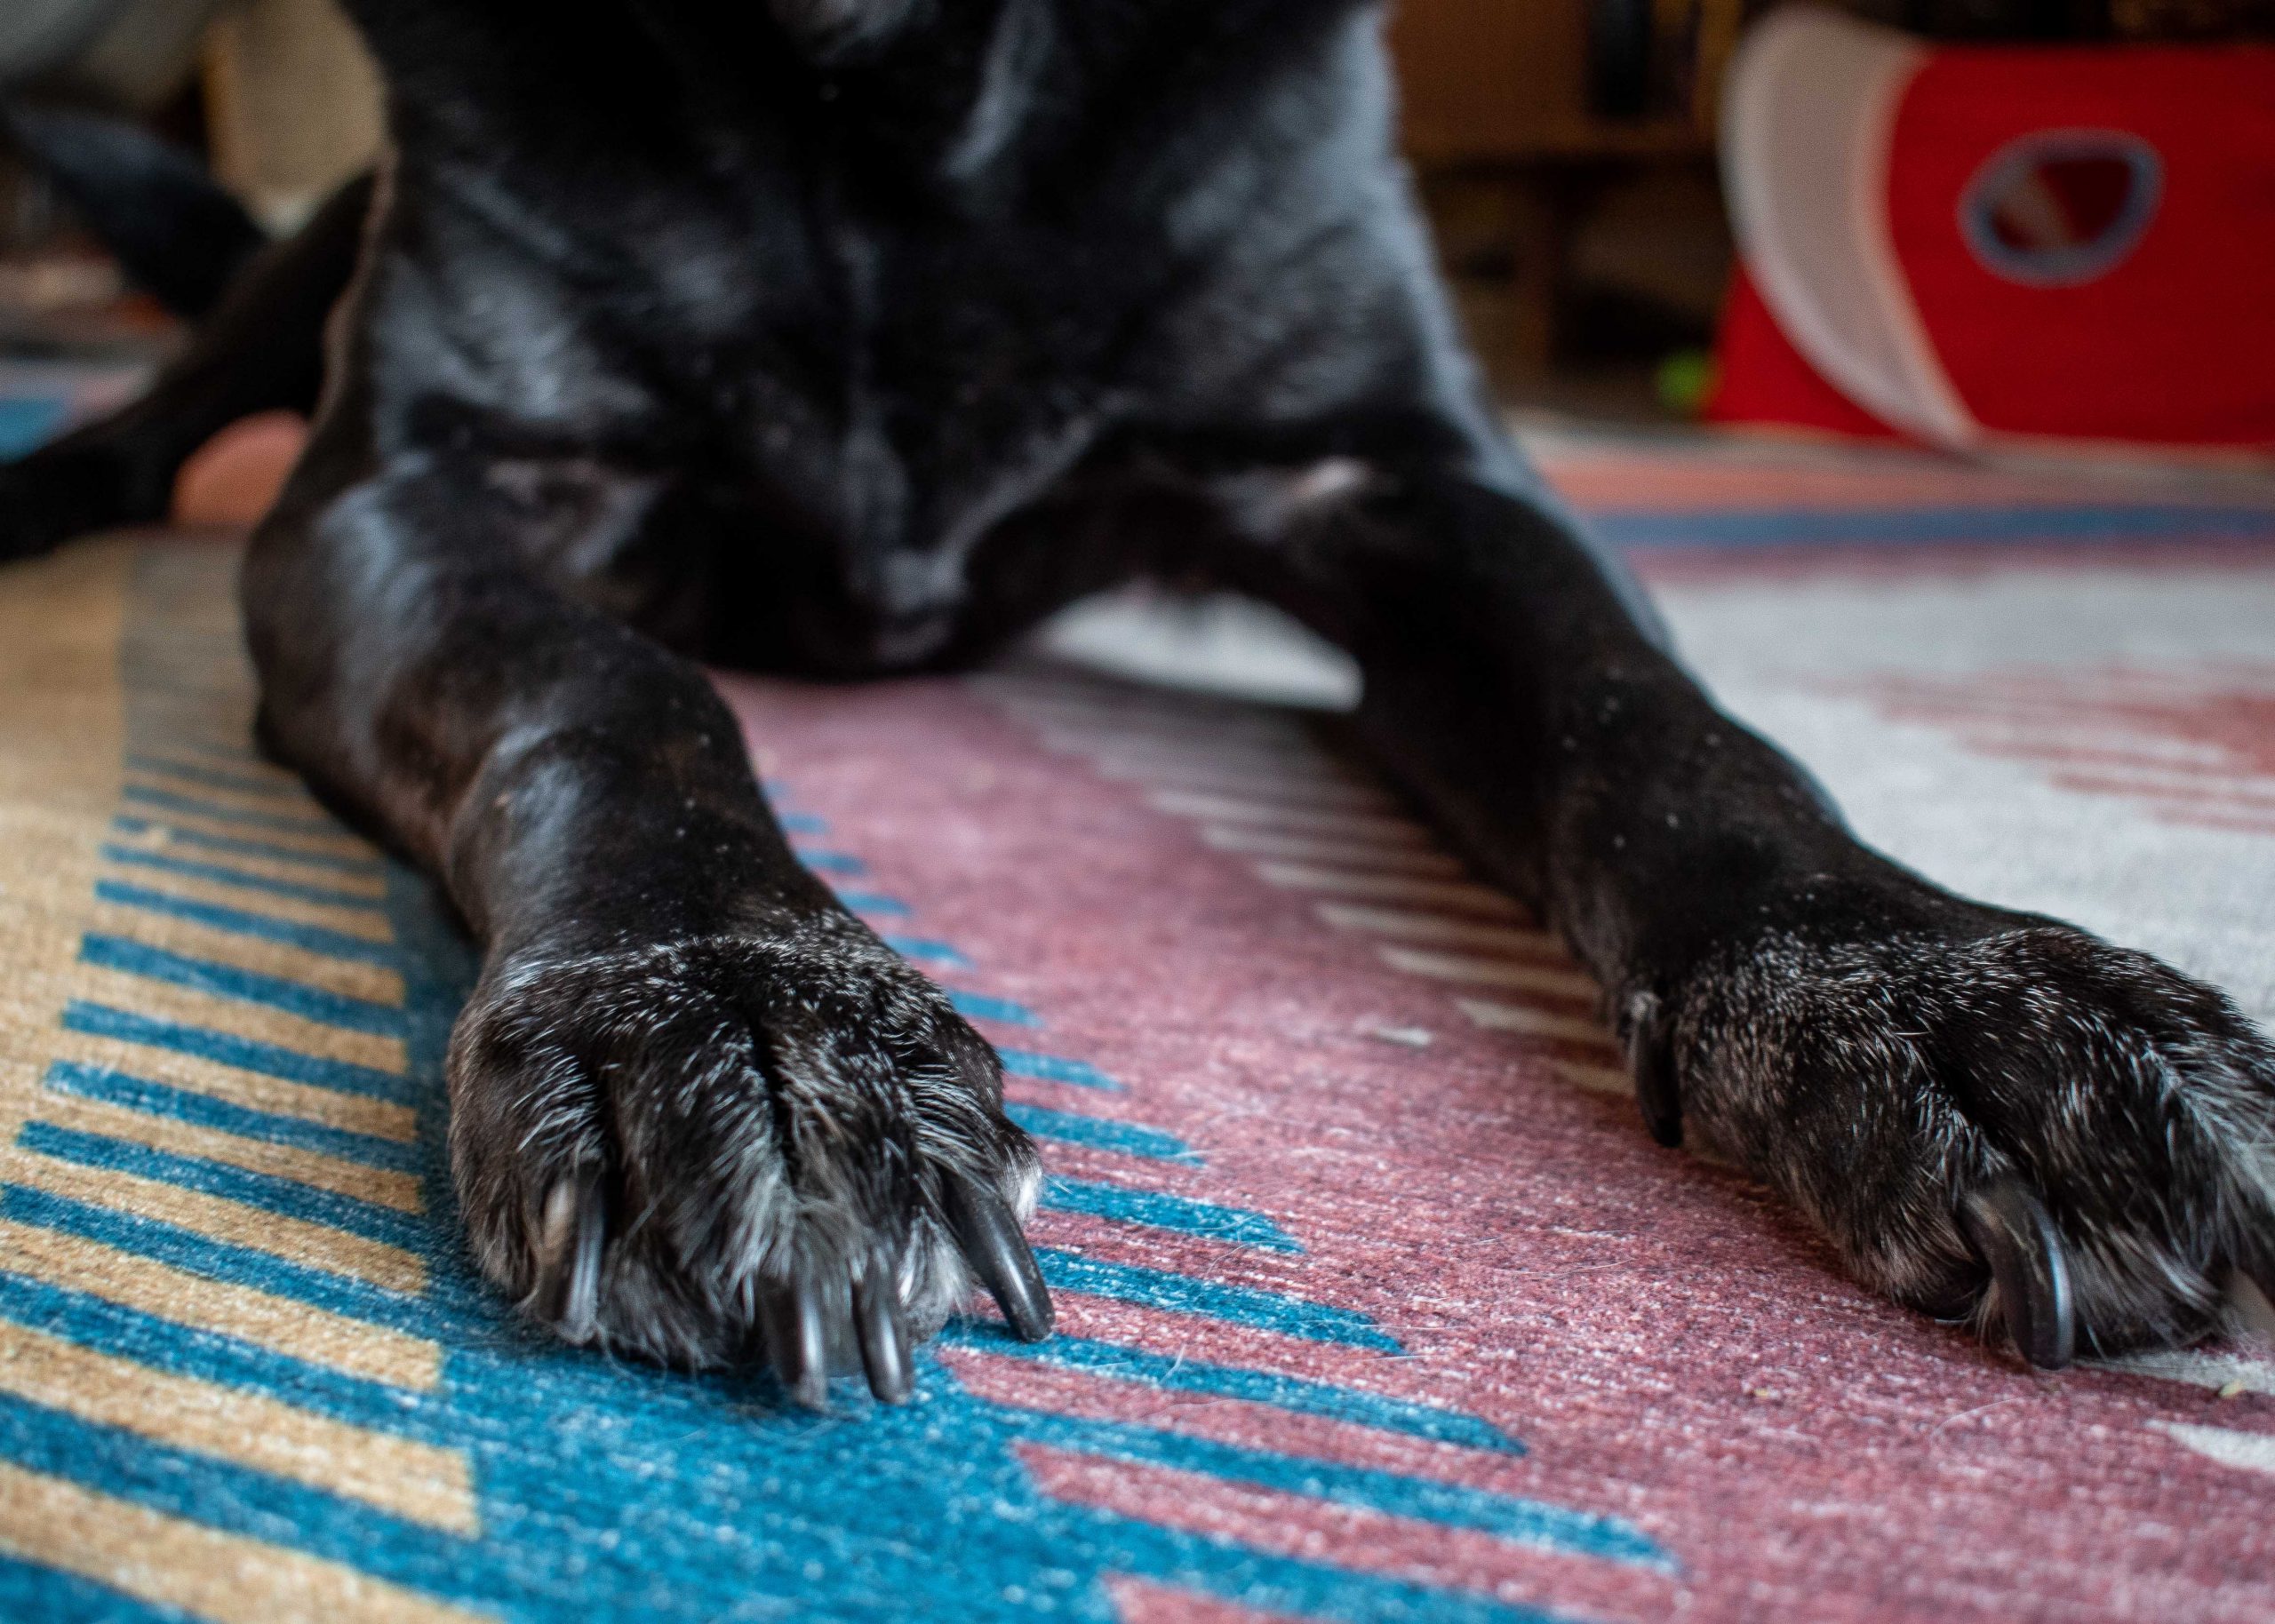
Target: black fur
<point>259,349</point>
<point>176,233</point>
<point>852,337</point>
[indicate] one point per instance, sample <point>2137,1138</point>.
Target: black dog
<point>845,337</point>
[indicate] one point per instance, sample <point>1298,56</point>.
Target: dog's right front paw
<point>787,1149</point>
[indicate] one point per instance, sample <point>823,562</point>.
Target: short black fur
<point>854,337</point>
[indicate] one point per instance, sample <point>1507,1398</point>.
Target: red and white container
<point>1975,245</point>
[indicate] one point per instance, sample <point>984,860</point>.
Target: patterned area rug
<point>1375,1301</point>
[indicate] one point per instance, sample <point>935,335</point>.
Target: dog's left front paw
<point>2015,1123</point>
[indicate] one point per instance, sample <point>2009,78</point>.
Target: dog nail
<point>991,1241</point>
<point>811,1388</point>
<point>777,1328</point>
<point>1656,1088</point>
<point>797,1343</point>
<point>2009,1227</point>
<point>575,1236</point>
<point>884,1335</point>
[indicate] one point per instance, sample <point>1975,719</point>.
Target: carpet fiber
<point>1375,1301</point>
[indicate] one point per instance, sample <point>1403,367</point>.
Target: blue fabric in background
<point>41,396</point>
<point>26,421</point>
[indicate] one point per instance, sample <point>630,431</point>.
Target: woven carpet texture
<point>1377,1303</point>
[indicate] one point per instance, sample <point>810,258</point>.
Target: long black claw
<point>991,1244</point>
<point>1651,1047</point>
<point>577,1225</point>
<point>2009,1229</point>
<point>797,1343</point>
<point>884,1336</point>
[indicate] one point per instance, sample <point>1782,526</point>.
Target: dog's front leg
<point>1992,1115</point>
<point>699,1112</point>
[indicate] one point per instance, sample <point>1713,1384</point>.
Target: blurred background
<point>1567,150</point>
